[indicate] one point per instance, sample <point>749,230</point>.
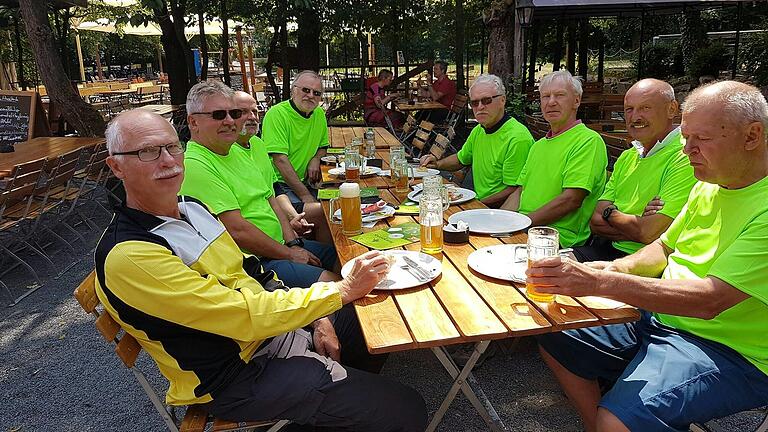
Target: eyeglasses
<point>485,101</point>
<point>148,154</point>
<point>307,90</point>
<point>222,114</point>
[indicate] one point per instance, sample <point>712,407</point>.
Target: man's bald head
<point>129,126</point>
<point>741,103</point>
<point>649,111</point>
<point>249,122</point>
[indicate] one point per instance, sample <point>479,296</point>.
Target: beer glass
<point>434,184</point>
<point>400,175</point>
<point>543,242</point>
<point>431,223</point>
<point>397,152</point>
<point>351,215</point>
<point>370,143</point>
<point>353,164</point>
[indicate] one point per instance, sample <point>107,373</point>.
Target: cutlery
<point>416,267</point>
<point>413,272</point>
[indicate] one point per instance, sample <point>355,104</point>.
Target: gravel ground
<point>56,373</point>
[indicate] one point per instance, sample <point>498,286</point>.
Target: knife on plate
<point>413,264</point>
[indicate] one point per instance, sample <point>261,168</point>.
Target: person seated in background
<point>223,175</point>
<point>309,223</point>
<point>225,335</point>
<point>376,103</point>
<point>440,89</point>
<point>700,352</point>
<point>565,170</point>
<point>650,182</point>
<point>497,147</point>
<point>295,133</point>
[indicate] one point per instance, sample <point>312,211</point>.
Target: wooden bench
<point>128,349</point>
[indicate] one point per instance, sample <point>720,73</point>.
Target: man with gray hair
<point>226,336</point>
<point>296,135</point>
<point>240,192</point>
<point>650,182</point>
<point>497,147</point>
<point>699,350</point>
<point>565,170</point>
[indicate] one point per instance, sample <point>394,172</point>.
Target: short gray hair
<point>311,73</point>
<point>119,126</point>
<point>742,103</point>
<point>492,80</point>
<point>565,75</point>
<point>203,90</point>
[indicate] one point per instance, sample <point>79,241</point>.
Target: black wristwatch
<point>298,241</point>
<point>608,211</point>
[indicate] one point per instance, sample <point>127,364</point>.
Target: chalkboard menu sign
<point>21,117</point>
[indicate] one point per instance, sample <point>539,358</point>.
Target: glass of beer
<point>431,222</point>
<point>434,183</point>
<point>401,175</point>
<point>543,242</point>
<point>353,164</point>
<point>351,215</point>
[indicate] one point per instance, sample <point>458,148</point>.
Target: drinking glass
<point>351,215</point>
<point>543,242</point>
<point>434,184</point>
<point>402,173</point>
<point>431,223</point>
<point>353,164</point>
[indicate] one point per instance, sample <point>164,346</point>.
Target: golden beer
<point>543,242</point>
<point>531,293</point>
<point>352,173</point>
<point>351,216</point>
<point>431,239</point>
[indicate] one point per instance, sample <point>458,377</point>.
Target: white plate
<point>466,195</point>
<point>489,221</point>
<point>499,262</point>
<point>387,211</point>
<point>416,172</point>
<point>399,278</point>
<point>330,159</point>
<point>369,171</point>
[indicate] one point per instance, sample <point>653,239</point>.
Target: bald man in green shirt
<point>650,182</point>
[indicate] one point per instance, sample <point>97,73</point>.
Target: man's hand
<point>300,255</point>
<point>429,161</point>
<point>325,340</point>
<point>300,225</point>
<point>653,206</point>
<point>368,269</point>
<point>313,170</point>
<point>563,276</point>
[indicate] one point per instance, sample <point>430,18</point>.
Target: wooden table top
<point>418,106</point>
<point>41,147</point>
<point>162,110</point>
<point>462,305</point>
<point>377,181</point>
<point>340,136</point>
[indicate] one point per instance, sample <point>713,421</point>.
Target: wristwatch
<point>298,241</point>
<point>608,211</point>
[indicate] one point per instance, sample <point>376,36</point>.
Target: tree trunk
<point>570,62</point>
<point>86,120</point>
<point>271,61</point>
<point>284,61</point>
<point>459,43</point>
<point>534,38</point>
<point>179,12</point>
<point>308,40</point>
<point>203,42</point>
<point>225,43</point>
<point>694,36</point>
<point>584,48</point>
<point>558,51</point>
<point>500,40</point>
<point>19,53</point>
<point>175,64</point>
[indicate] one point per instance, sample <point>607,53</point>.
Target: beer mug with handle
<point>543,242</point>
<point>434,184</point>
<point>349,203</point>
<point>402,175</point>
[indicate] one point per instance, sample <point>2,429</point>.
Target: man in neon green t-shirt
<point>296,135</point>
<point>700,352</point>
<point>650,182</point>
<point>496,148</point>
<point>224,177</point>
<point>565,170</point>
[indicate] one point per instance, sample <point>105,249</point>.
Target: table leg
<point>464,380</point>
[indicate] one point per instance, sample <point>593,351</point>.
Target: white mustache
<point>170,172</point>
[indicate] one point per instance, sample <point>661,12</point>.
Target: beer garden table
<point>41,147</point>
<point>340,136</point>
<point>462,306</point>
<point>419,106</point>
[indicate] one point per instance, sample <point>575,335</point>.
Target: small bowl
<point>450,235</point>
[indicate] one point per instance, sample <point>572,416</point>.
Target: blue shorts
<point>295,275</point>
<point>665,379</point>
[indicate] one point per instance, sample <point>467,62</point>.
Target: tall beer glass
<point>543,242</point>
<point>353,164</point>
<point>351,215</point>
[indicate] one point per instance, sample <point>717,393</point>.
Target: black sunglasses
<point>307,90</point>
<point>484,101</point>
<point>222,114</point>
<point>148,154</point>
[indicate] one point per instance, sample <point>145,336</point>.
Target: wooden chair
<point>456,112</point>
<point>422,136</point>
<point>439,146</point>
<point>614,146</point>
<point>128,349</point>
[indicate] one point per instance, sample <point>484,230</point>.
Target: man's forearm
<point>649,261</point>
<point>559,207</point>
<point>451,163</point>
<point>499,197</point>
<point>285,221</point>
<point>600,227</point>
<point>258,243</point>
<point>641,229</point>
<point>289,175</point>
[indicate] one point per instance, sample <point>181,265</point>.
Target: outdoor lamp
<point>524,12</point>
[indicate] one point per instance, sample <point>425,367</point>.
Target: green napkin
<point>388,238</point>
<point>334,193</point>
<point>408,209</point>
<point>334,150</point>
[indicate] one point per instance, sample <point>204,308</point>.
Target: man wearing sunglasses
<point>496,149</point>
<point>296,135</point>
<point>565,171</point>
<point>241,194</point>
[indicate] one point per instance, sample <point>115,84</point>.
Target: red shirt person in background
<point>442,90</point>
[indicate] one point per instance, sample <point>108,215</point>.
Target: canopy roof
<point>60,4</point>
<point>596,8</point>
<point>214,27</point>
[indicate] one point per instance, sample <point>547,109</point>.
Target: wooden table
<point>463,306</point>
<point>377,181</point>
<point>41,147</point>
<point>340,136</point>
<point>419,106</point>
<point>163,110</point>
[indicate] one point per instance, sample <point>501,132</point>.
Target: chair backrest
<point>459,103</point>
<point>410,123</point>
<point>426,126</point>
<point>439,145</point>
<point>120,86</point>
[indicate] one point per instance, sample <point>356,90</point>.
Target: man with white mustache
<point>650,182</point>
<point>223,176</point>
<point>296,135</point>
